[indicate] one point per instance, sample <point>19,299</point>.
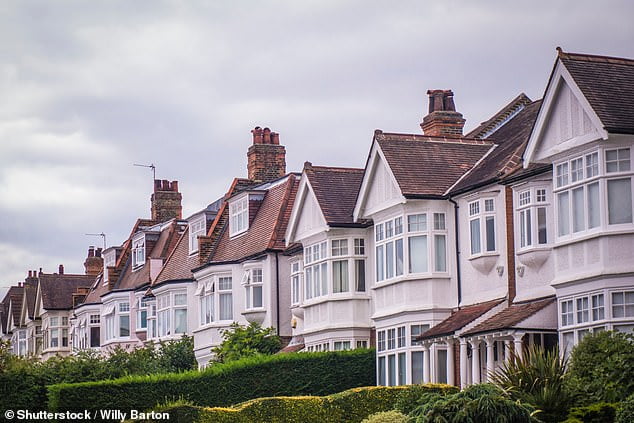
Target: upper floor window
<point>482,226</point>
<point>124,319</point>
<point>316,270</point>
<point>296,282</point>
<point>141,314</point>
<point>108,261</point>
<point>138,251</point>
<point>583,184</point>
<point>623,304</point>
<point>531,213</point>
<point>58,332</point>
<point>239,216</point>
<point>196,228</point>
<point>253,287</point>
<point>225,298</point>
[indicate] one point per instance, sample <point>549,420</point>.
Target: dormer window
<point>108,261</point>
<point>239,216</point>
<point>138,251</point>
<point>196,228</point>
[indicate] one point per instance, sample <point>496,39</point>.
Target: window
<point>415,332</point>
<point>582,310</point>
<point>296,283</point>
<point>58,332</point>
<point>341,345</point>
<point>239,216</point>
<point>138,252</point>
<point>141,316</point>
<point>95,319</point>
<point>124,319</point>
<point>402,368</point>
<point>196,228</point>
<point>579,198</point>
<point>531,212</point>
<point>623,304</point>
<point>108,261</point>
<point>380,340</point>
<point>598,311</point>
<point>180,312</point>
<point>340,276</point>
<point>401,337</point>
<point>339,247</point>
<point>225,298</point>
<point>206,302</point>
<point>164,320</point>
<point>316,269</point>
<point>482,227</point>
<point>359,246</point>
<point>391,339</point>
<point>567,313</point>
<point>417,223</point>
<point>359,275</point>
<point>362,344</point>
<point>254,288</point>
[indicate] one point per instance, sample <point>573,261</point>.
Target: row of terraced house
<point>446,252</point>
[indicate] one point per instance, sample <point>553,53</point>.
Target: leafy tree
<point>177,356</point>
<point>602,368</point>
<point>537,378</point>
<point>243,341</point>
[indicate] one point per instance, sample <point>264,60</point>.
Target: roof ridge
<point>430,138</point>
<point>338,168</point>
<point>520,101</point>
<point>594,58</point>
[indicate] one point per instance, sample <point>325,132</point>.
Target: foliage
<point>602,368</point>
<point>227,383</point>
<point>391,416</point>
<point>23,381</point>
<point>419,395</point>
<point>625,411</point>
<point>245,341</point>
<point>596,413</point>
<point>537,378</point>
<point>353,405</point>
<point>478,403</point>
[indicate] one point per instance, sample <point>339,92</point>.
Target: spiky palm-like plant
<point>537,378</point>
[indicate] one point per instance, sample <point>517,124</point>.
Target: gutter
<point>459,280</point>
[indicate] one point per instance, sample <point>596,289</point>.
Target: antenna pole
<point>150,166</point>
<point>102,235</point>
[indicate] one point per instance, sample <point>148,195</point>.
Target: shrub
<point>418,395</point>
<point>596,413</point>
<point>352,406</point>
<point>625,411</point>
<point>392,416</point>
<point>537,378</point>
<point>602,368</point>
<point>478,403</point>
<point>225,384</point>
<point>244,341</point>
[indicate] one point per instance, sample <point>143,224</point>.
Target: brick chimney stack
<point>266,158</point>
<point>166,201</point>
<point>94,261</point>
<point>442,120</point>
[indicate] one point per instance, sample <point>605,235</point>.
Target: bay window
<point>531,212</point>
<point>316,270</point>
<point>171,313</point>
<point>583,184</point>
<point>482,226</point>
<point>58,332</point>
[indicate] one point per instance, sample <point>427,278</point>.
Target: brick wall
<point>266,158</point>
<point>166,201</point>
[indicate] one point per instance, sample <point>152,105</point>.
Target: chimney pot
<point>30,274</point>
<point>98,252</point>
<point>257,135</point>
<point>443,119</point>
<point>61,269</point>
<point>91,251</point>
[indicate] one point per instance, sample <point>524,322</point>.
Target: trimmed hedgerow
<point>601,412</point>
<point>353,405</point>
<point>225,384</point>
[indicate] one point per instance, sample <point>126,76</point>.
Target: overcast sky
<point>88,88</point>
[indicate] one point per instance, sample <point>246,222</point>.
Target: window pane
<point>381,370</point>
<point>308,282</point>
<point>379,263</point>
<point>578,218</point>
<point>402,368</point>
<point>389,260</point>
<point>417,254</point>
<point>224,283</point>
<point>441,253</point>
<point>124,325</point>
<point>180,320</point>
<point>359,272</point>
<point>542,237</point>
<point>399,256</point>
<point>257,296</point>
<point>324,278</point>
<point>391,370</point>
<point>94,336</point>
<point>563,214</point>
<point>226,307</point>
<point>441,367</point>
<point>316,281</point>
<point>619,201</point>
<point>417,367</point>
<point>490,228</point>
<point>439,221</point>
<point>593,205</point>
<point>417,222</point>
<point>340,276</point>
<point>475,236</point>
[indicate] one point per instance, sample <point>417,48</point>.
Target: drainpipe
<point>277,291</point>
<point>455,207</point>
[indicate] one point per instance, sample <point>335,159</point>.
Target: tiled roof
<point>428,166</point>
<point>336,189</point>
<point>266,231</point>
<point>608,85</point>
<point>180,263</point>
<point>57,290</point>
<point>30,292</point>
<point>511,139</point>
<point>498,119</point>
<point>459,319</point>
<point>16,294</point>
<point>511,316</point>
<point>167,240</point>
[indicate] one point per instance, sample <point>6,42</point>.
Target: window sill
<point>213,325</point>
<point>411,277</point>
<point>624,229</point>
<point>339,296</point>
<point>255,315</point>
<point>534,256</point>
<point>484,262</point>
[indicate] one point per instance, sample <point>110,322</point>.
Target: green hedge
<point>224,384</point>
<point>352,406</point>
<point>602,412</point>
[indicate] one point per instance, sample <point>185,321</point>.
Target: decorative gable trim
<point>305,189</point>
<point>559,76</point>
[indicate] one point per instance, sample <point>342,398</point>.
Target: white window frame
<point>297,273</point>
<point>480,212</point>
<point>196,227</point>
<point>225,292</point>
<point>529,201</point>
<point>138,251</point>
<point>254,280</point>
<point>58,325</point>
<point>239,216</point>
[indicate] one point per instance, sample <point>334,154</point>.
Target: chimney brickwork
<point>166,201</point>
<point>266,158</point>
<point>443,119</point>
<point>94,261</point>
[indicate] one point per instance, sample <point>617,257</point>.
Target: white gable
<point>565,121</point>
<point>306,218</point>
<point>379,189</point>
